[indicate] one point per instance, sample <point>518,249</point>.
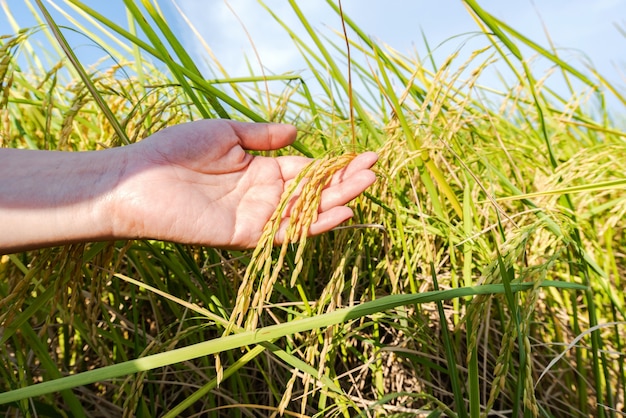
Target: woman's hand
<point>195,183</point>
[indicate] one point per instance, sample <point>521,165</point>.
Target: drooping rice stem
<point>304,195</point>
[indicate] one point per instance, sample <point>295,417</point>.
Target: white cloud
<point>223,32</point>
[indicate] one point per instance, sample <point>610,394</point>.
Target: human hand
<point>195,183</point>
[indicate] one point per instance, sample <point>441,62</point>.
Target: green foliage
<point>482,274</point>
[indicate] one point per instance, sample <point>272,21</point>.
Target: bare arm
<point>49,198</point>
<point>192,183</point>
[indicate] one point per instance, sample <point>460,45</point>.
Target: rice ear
<point>262,273</point>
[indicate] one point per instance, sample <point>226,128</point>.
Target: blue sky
<point>583,27</point>
<point>583,30</point>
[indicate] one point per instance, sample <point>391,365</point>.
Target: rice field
<point>482,274</point>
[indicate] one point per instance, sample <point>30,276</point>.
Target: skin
<point>192,183</point>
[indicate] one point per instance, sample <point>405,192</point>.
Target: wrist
<point>82,200</point>
<point>88,208</point>
<point>121,209</point>
<point>118,209</point>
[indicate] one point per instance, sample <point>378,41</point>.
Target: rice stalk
<point>8,46</point>
<point>303,211</point>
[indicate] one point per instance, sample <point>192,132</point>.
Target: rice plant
<point>481,276</point>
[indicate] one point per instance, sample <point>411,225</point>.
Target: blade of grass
<point>337,74</point>
<point>165,56</point>
<point>50,367</point>
<point>186,61</point>
<point>599,186</point>
<point>453,373</point>
<point>115,46</point>
<point>507,276</point>
<point>492,24</point>
<point>69,53</point>
<point>290,359</point>
<point>157,53</point>
<point>213,383</point>
<point>573,343</point>
<point>558,61</point>
<point>528,79</point>
<point>258,336</point>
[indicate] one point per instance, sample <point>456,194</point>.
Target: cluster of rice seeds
<point>79,101</point>
<point>530,400</point>
<point>329,300</point>
<point>502,365</point>
<point>303,213</point>
<point>7,44</point>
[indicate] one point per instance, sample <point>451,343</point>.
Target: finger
<point>324,223</point>
<point>341,193</point>
<point>290,166</point>
<point>263,136</point>
<point>349,182</point>
<point>330,219</point>
<point>361,162</point>
<point>346,184</point>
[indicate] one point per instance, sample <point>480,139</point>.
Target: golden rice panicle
<point>8,45</point>
<point>262,273</point>
<point>261,261</point>
<point>308,205</point>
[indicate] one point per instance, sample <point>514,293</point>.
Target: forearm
<point>50,198</point>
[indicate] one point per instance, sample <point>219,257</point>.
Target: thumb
<point>263,136</point>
